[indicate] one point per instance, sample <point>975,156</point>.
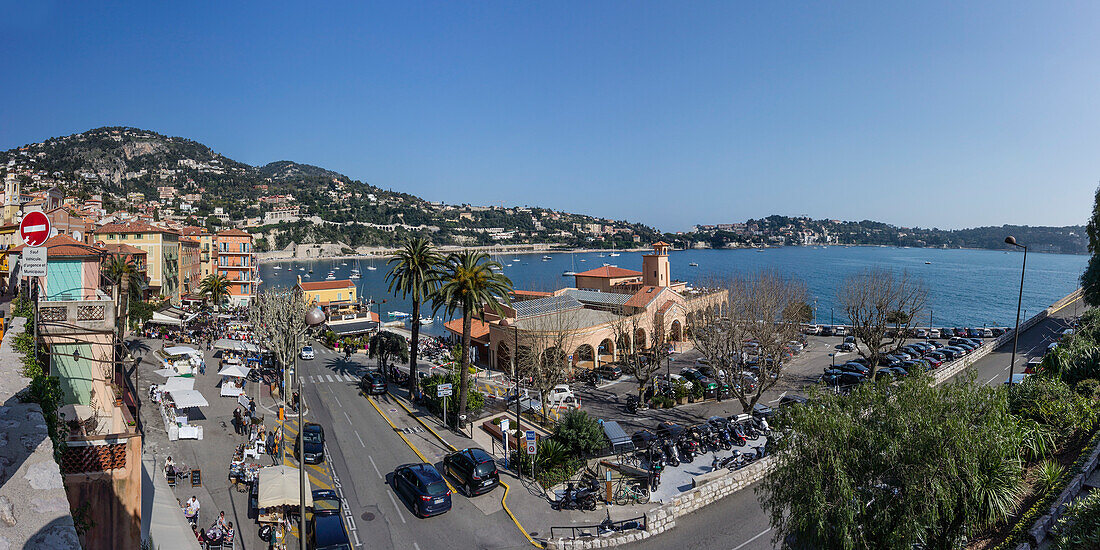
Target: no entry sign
<point>34,229</point>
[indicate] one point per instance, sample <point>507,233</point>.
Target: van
<point>840,330</point>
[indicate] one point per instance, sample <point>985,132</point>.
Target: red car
<point>933,361</point>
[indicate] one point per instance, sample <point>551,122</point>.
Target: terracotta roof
<point>609,272</point>
<point>478,329</point>
<point>133,227</point>
<point>120,248</point>
<point>326,285</point>
<point>64,245</point>
<point>644,296</point>
<point>665,307</point>
<point>191,230</point>
<point>234,233</point>
<point>532,293</point>
<point>661,243</point>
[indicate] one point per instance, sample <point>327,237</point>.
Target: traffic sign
<point>443,390</point>
<point>34,229</point>
<point>33,260</point>
<point>530,434</point>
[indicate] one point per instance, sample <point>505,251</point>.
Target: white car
<point>307,353</point>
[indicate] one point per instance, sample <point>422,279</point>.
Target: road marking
<point>376,470</point>
<point>348,417</point>
<point>781,396</point>
<point>337,401</point>
<point>415,545</point>
<point>402,516</point>
<point>329,376</point>
<point>743,544</point>
<point>361,441</point>
<point>992,379</point>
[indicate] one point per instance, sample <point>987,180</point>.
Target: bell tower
<point>655,270</point>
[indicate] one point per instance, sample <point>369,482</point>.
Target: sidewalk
<point>528,503</point>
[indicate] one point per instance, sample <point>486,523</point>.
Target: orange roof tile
<point>661,243</point>
<point>644,296</point>
<point>121,248</point>
<point>64,245</point>
<point>133,227</point>
<point>327,285</point>
<point>234,233</point>
<point>478,328</point>
<point>609,272</point>
<point>191,231</point>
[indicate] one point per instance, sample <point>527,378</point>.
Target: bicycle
<point>631,494</point>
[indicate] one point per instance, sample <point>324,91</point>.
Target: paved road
<point>739,523</point>
<point>364,450</point>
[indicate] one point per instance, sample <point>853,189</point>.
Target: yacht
<point>354,274</point>
<point>573,271</point>
<point>370,266</point>
<point>278,267</point>
<point>693,264</point>
<point>330,277</point>
<point>546,257</point>
<point>399,314</point>
<point>427,320</point>
<point>516,260</point>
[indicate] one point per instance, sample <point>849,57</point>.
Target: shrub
<point>475,401</point>
<point>1047,475</point>
<point>580,434</point>
<point>1089,387</point>
<point>21,306</point>
<point>1051,402</point>
<point>1079,526</point>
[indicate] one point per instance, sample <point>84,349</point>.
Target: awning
<point>172,316</point>
<point>162,520</point>
<point>167,373</point>
<point>238,371</point>
<point>352,328</point>
<point>182,350</point>
<point>179,383</point>
<point>236,345</point>
<point>188,398</point>
<point>620,442</point>
<point>281,486</point>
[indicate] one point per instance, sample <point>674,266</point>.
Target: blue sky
<point>931,114</point>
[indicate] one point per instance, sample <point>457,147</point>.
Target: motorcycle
<point>737,433</point>
<point>576,499</point>
<point>632,404</point>
<point>672,457</point>
<point>688,448</point>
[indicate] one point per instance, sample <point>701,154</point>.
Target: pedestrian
<point>202,367</point>
<point>252,407</point>
<point>714,463</point>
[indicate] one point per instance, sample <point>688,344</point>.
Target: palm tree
<point>216,287</point>
<point>471,282</point>
<point>413,274</point>
<point>118,267</point>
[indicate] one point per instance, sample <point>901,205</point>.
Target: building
<point>207,257</point>
<point>101,459</point>
<point>236,261</point>
<point>330,295</point>
<point>65,220</point>
<point>610,311</point>
<point>190,269</point>
<point>280,213</point>
<point>161,247</point>
<point>130,254</point>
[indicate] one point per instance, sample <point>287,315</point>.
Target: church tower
<point>12,191</point>
<point>655,270</point>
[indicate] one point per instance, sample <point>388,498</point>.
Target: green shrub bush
<point>580,434</point>
<point>1079,526</point>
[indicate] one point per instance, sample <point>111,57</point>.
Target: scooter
<point>576,499</point>
<point>688,448</point>
<point>672,457</point>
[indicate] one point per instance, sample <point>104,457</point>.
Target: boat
<point>516,260</point>
<point>614,255</point>
<point>278,267</point>
<point>583,260</point>
<point>370,266</point>
<point>927,263</point>
<point>301,269</point>
<point>693,264</point>
<point>354,274</point>
<point>343,263</point>
<point>546,257</point>
<point>568,273</point>
<point>399,314</point>
<point>507,265</point>
<point>427,320</point>
<point>573,271</point>
<point>330,277</point>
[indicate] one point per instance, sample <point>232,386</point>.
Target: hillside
<point>282,202</point>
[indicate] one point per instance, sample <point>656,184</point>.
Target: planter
<point>494,430</point>
<point>118,401</point>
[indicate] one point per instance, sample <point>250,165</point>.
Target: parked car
<point>791,400</point>
<point>846,346</point>
<point>1033,365</point>
<point>307,353</point>
<point>922,333</point>
<point>474,469</point>
<point>422,488</point>
<point>841,330</point>
<point>826,331</point>
<point>313,441</point>
<point>861,360</point>
<point>934,333</point>
<point>947,332</point>
<point>663,381</point>
<point>610,371</point>
<point>939,355</point>
<point>710,387</point>
<point>933,361</point>
<point>373,383</point>
<point>326,530</point>
<point>997,331</point>
<point>810,329</point>
<point>852,367</point>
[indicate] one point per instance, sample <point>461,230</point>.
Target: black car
<point>423,488</point>
<point>826,331</point>
<point>610,371</point>
<point>373,383</point>
<point>710,387</point>
<point>474,469</point>
<point>325,500</point>
<point>852,367</point>
<point>313,438</point>
<point>791,400</point>
<point>326,531</point>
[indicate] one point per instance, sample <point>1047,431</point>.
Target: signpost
<point>34,261</point>
<point>529,435</point>
<point>34,229</point>
<point>443,390</point>
<point>504,424</point>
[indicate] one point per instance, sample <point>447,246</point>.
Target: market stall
<point>278,491</point>
<point>181,359</point>
<point>233,379</point>
<point>177,397</point>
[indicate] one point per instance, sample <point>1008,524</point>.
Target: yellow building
<point>9,238</point>
<point>207,254</point>
<point>162,248</point>
<point>329,294</point>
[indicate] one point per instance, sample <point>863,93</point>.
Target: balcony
<point>82,310</point>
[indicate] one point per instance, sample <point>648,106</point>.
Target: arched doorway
<point>553,357</point>
<point>504,358</point>
<point>639,340</point>
<point>584,357</point>
<point>623,345</point>
<point>606,351</point>
<point>676,332</point>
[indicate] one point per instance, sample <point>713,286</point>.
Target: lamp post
<point>313,318</point>
<point>1016,333</point>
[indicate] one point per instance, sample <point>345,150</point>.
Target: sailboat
<point>613,254</point>
<point>572,271</point>
<point>278,267</point>
<point>355,270</point>
<point>370,266</point>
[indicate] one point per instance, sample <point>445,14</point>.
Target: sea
<point>966,288</point>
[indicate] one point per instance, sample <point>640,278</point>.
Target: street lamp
<point>313,318</point>
<point>1016,333</point>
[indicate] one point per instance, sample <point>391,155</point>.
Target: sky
<point>930,114</point>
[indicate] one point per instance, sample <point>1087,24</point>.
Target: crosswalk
<point>331,378</point>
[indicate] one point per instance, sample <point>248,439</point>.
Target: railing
<point>607,527</point>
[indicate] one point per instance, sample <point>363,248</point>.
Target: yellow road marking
<point>406,440</point>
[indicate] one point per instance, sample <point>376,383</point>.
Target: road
<point>739,523</point>
<point>364,450</point>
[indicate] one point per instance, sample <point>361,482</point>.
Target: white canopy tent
<point>172,316</point>
<point>167,373</point>
<point>236,345</point>
<point>281,486</point>
<point>179,383</point>
<point>182,350</point>
<point>188,398</point>
<point>236,371</point>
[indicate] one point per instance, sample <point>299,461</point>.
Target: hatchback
<point>307,353</point>
<point>609,371</point>
<point>423,488</point>
<point>327,532</point>
<point>373,383</point>
<point>474,469</point>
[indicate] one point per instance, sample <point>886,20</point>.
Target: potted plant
<point>118,394</point>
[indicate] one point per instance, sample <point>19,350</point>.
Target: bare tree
<point>748,347</point>
<point>877,303</point>
<point>642,363</point>
<point>279,321</point>
<point>545,342</point>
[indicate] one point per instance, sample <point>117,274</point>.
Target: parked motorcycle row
<point>672,444</point>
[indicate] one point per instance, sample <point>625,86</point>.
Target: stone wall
<point>34,510</point>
